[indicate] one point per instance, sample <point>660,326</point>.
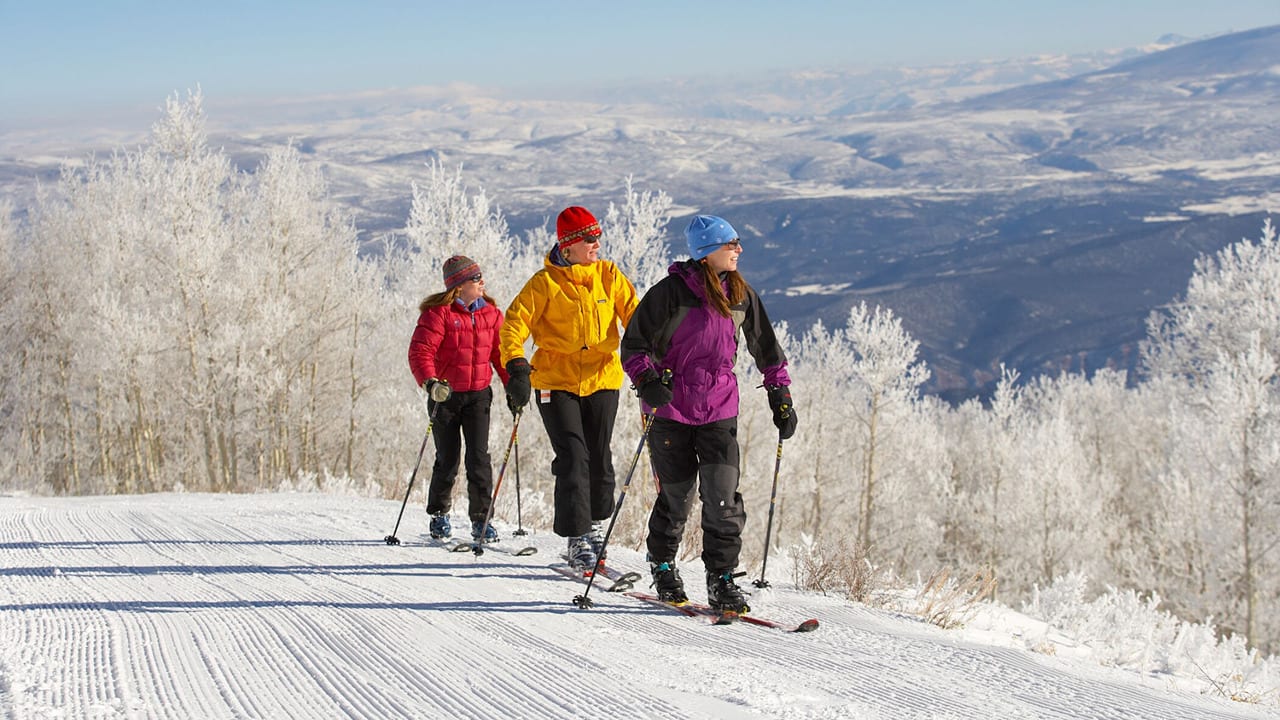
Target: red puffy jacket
<point>455,344</point>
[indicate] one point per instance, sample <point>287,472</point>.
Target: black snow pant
<point>465,414</point>
<point>580,430</point>
<point>705,458</point>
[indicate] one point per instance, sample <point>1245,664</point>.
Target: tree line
<point>173,323</point>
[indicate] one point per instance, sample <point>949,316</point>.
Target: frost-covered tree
<point>1063,517</point>
<point>1116,432</point>
<point>634,234</point>
<point>183,323</point>
<point>983,477</point>
<point>447,218</point>
<point>1220,348</point>
<point>866,461</point>
<point>822,369</point>
<point>886,380</point>
<point>10,329</point>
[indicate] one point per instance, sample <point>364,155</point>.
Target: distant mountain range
<point>1030,212</point>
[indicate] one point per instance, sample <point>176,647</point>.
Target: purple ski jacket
<point>674,329</point>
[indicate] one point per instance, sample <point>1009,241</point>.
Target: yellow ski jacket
<point>575,315</point>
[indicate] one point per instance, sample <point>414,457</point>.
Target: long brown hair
<point>446,297</point>
<point>715,292</point>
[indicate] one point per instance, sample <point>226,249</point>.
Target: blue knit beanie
<point>706,233</point>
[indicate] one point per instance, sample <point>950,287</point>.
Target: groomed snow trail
<point>292,606</point>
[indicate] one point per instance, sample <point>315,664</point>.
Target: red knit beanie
<point>459,269</point>
<point>576,224</point>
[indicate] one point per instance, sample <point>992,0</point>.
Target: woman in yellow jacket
<point>575,308</point>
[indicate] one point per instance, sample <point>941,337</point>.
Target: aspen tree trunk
<point>1248,494</point>
<point>72,486</point>
<point>310,444</point>
<point>816,507</point>
<point>193,365</point>
<point>104,443</point>
<point>138,439</point>
<point>1046,554</point>
<point>993,540</point>
<point>869,475</point>
<point>350,444</point>
<point>1250,587</point>
<point>231,425</point>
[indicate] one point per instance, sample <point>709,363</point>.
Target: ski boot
<point>596,538</point>
<point>724,595</point>
<point>440,526</point>
<point>581,555</point>
<point>483,532</point>
<point>667,583</point>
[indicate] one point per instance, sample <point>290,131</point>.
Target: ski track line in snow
<point>88,614</point>
<point>219,652</point>
<point>229,607</point>
<point>322,654</point>
<point>551,686</point>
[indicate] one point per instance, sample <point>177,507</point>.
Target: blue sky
<point>61,58</point>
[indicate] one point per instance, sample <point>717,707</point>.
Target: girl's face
<point>725,257</point>
<point>472,289</point>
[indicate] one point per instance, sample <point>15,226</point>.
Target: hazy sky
<point>60,57</point>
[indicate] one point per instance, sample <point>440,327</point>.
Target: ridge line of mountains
<point>1028,212</point>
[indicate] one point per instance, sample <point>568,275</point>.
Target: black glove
<point>784,413</point>
<point>518,388</point>
<point>438,390</point>
<point>654,390</point>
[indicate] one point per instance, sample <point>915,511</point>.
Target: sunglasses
<point>476,278</point>
<point>734,243</point>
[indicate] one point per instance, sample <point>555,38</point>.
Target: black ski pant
<point>463,415</point>
<point>580,430</point>
<point>703,458</point>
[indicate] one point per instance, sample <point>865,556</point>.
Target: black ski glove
<point>438,390</point>
<point>784,413</point>
<point>654,390</point>
<point>518,388</point>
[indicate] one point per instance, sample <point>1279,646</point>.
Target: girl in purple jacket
<point>688,324</point>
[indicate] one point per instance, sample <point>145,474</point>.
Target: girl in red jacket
<point>453,354</point>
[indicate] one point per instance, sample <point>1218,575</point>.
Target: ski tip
<point>461,547</point>
<point>808,625</point>
<point>531,550</point>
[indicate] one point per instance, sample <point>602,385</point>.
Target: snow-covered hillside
<point>292,606</point>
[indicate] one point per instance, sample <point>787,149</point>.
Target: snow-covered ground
<point>291,606</point>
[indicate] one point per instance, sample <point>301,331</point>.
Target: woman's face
<point>584,252</point>
<point>725,257</point>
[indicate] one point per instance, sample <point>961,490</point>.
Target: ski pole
<point>478,546</point>
<point>519,522</point>
<point>768,530</point>
<point>392,539</point>
<point>583,601</point>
